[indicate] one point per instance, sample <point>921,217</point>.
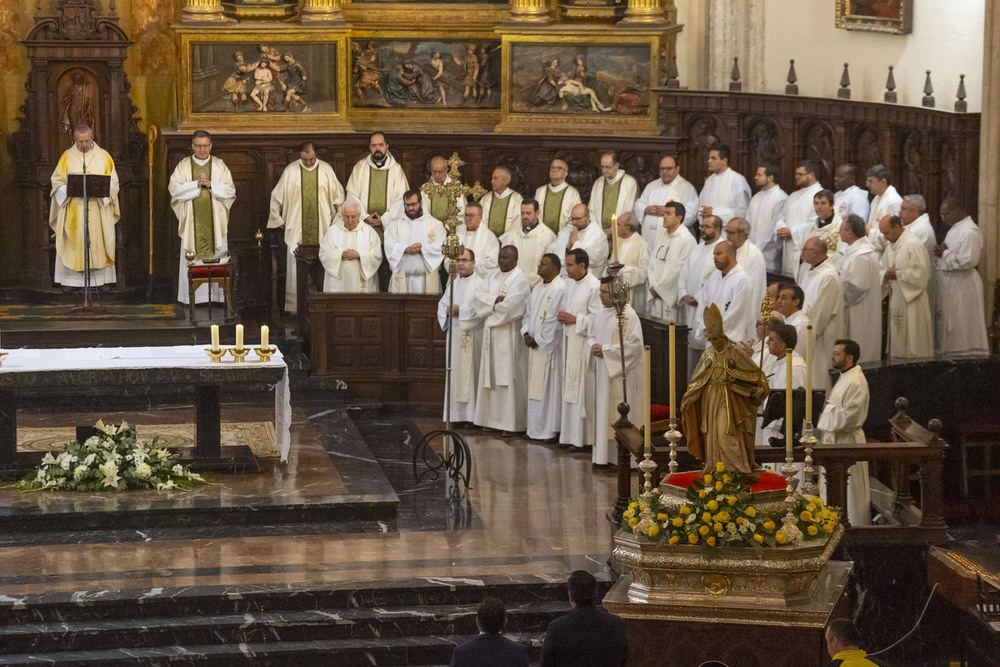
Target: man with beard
<point>583,234</point>
<point>413,249</point>
<point>531,239</point>
<point>466,338</point>
<point>726,193</point>
<point>695,273</point>
<point>670,187</point>
<point>767,207</point>
<point>582,305</point>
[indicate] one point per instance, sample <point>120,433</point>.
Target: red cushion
<point>223,271</point>
<point>659,412</point>
<point>768,481</point>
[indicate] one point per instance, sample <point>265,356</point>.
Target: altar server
<point>671,249</point>
<point>501,205</point>
<point>767,207</point>
<point>669,187</point>
<point>824,304</point>
<point>583,303</point>
<point>466,338</point>
<point>501,301</point>
<point>532,240</point>
<point>862,283</point>
<point>473,234</point>
<point>350,253</point>
<point>305,202</point>
<point>584,234</point>
<point>413,249</point>
<point>543,337</point>
<point>634,254</point>
<point>800,211</point>
<point>909,270</point>
<point>556,198</point>
<point>725,192</point>
<point>612,194</point>
<point>960,291</point>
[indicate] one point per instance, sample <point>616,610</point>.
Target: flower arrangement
<point>718,512</point>
<point>113,460</point>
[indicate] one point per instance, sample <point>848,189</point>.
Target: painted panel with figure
<point>273,77</point>
<point>580,79</point>
<point>423,74</point>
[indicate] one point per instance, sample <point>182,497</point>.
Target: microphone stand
<point>86,308</point>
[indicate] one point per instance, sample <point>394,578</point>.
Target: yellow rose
<point>674,539</point>
<point>806,515</point>
<point>780,537</point>
<point>727,479</point>
<point>719,467</point>
<point>758,538</point>
<point>812,530</point>
<point>703,530</point>
<point>731,500</point>
<point>723,516</point>
<point>654,530</point>
<point>740,520</point>
<point>811,507</point>
<point>626,514</point>
<point>678,522</point>
<point>717,527</point>
<point>693,538</point>
<point>706,517</point>
<point>750,512</point>
<point>710,541</point>
<point>631,506</point>
<point>718,486</point>
<point>708,479</point>
<point>828,527</point>
<point>684,509</point>
<point>662,517</point>
<point>656,490</point>
<point>712,505</point>
<point>701,494</point>
<point>768,525</point>
<point>632,522</point>
<point>642,507</point>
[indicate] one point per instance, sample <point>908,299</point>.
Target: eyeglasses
<point>576,218</point>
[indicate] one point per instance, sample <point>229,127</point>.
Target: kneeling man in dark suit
<point>490,648</point>
<point>588,636</point>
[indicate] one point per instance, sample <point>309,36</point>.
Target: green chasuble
<point>498,214</point>
<point>553,208</point>
<point>310,206</point>
<point>204,217</point>
<point>439,207</point>
<point>609,202</point>
<point>378,190</point>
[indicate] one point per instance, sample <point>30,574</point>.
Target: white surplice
<point>502,401</point>
<point>627,192</point>
<point>570,199</point>
<point>545,369</point>
<point>752,260</point>
<point>829,232</point>
<point>801,322</point>
<point>530,248</point>
<point>911,334</point>
<point>484,244</point>
<point>670,255</point>
<point>634,254</point>
<point>658,193</point>
<point>799,212</point>
<point>733,294</point>
<point>862,283</point>
<point>695,272</point>
<point>608,393</point>
<point>466,348</point>
<point>583,301</point>
<point>355,275</point>
<point>841,424</point>
<point>960,303</point>
<point>767,207</point>
<point>776,379</point>
<point>592,239</point>
<point>824,296</point>
<point>887,203</point>
<point>414,274</point>
<point>286,211</point>
<point>727,193</point>
<point>852,201</point>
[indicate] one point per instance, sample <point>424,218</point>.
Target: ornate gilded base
<point>598,11</point>
<point>241,12</point>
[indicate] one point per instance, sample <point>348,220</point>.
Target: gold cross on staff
<point>451,191</point>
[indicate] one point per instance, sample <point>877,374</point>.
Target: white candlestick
<point>647,360</point>
<point>614,238</point>
<point>239,336</point>
<point>215,338</point>
<point>263,336</point>
<point>809,375</point>
<point>672,355</point>
<point>789,431</point>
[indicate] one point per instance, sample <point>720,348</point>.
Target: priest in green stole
<point>201,194</point>
<point>557,197</point>
<point>305,202</point>
<point>501,205</point>
<point>377,182</point>
<point>613,193</point>
<point>437,205</point>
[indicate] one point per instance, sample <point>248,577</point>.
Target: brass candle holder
<point>216,355</point>
<point>239,354</point>
<point>264,353</point>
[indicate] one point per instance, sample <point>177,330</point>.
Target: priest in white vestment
<point>748,256</point>
<point>543,336</point>
<point>725,192</point>
<point>502,402</point>
<point>849,199</point>
<point>673,245</point>
<point>413,249</point>
<point>605,345</point>
<point>800,211</point>
<point>556,198</point>
<point>584,234</point>
<point>377,182</point>
<point>583,303</point>
<point>501,205</point>
<point>960,308</point>
<point>437,205</point>
<point>695,272</point>
<point>886,202</point>
<point>913,213</point>
<point>841,422</point>
<point>66,215</point>
<point>532,240</point>
<point>767,207</point>
<point>789,304</point>
<point>862,282</point>
<point>826,225</point>
<point>911,333</point>
<point>612,194</point>
<point>305,202</point>
<point>634,254</point>
<point>466,339</point>
<point>782,341</point>
<point>669,187</point>
<point>729,288</point>
<point>473,234</point>
<point>824,304</point>
<point>201,194</point>
<point>350,253</point>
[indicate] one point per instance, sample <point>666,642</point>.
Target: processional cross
<point>451,191</point>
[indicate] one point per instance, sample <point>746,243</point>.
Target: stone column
<point>203,11</point>
<point>645,12</point>
<point>321,11</point>
<point>989,157</point>
<point>734,28</point>
<point>530,11</point>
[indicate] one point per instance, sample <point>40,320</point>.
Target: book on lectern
<point>98,186</point>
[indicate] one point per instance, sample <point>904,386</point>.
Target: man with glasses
<point>557,197</point>
<point>799,210</point>
<point>472,234</point>
<point>532,240</point>
<point>466,338</point>
<point>669,187</point>
<point>613,193</point>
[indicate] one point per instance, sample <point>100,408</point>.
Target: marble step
<point>267,627</point>
<point>425,650</point>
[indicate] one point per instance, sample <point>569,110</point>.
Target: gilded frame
<point>855,15</point>
<point>189,118</point>
<point>528,122</point>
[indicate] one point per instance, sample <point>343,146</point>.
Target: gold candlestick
<point>2,355</point>
<point>216,354</point>
<point>265,353</point>
<point>239,354</point>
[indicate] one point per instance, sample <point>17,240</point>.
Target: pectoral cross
<point>451,191</point>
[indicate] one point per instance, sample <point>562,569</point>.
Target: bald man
<point>501,205</point>
<point>556,198</point>
<point>585,234</point>
<point>437,205</point>
<point>669,187</point>
<point>730,289</point>
<point>824,296</point>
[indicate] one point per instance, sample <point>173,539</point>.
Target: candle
<point>647,360</point>
<point>614,238</point>
<point>263,336</point>
<point>215,338</point>
<point>239,336</point>
<point>673,370</point>
<point>809,375</point>
<point>788,402</point>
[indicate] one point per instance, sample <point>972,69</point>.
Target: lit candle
<point>263,336</point>
<point>239,336</point>
<point>809,374</point>
<point>788,401</point>
<point>215,338</point>
<point>673,370</point>
<point>647,360</point>
<point>614,238</point>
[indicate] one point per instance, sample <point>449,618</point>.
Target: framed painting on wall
<point>893,16</point>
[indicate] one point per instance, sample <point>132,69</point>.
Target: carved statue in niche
<point>911,165</point>
<point>644,168</point>
<point>703,136</point>
<point>77,100</point>
<point>583,171</point>
<point>513,162</point>
<point>819,147</point>
<point>868,148</point>
<point>764,144</point>
<point>949,170</point>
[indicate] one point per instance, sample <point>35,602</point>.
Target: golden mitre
<point>713,322</point>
